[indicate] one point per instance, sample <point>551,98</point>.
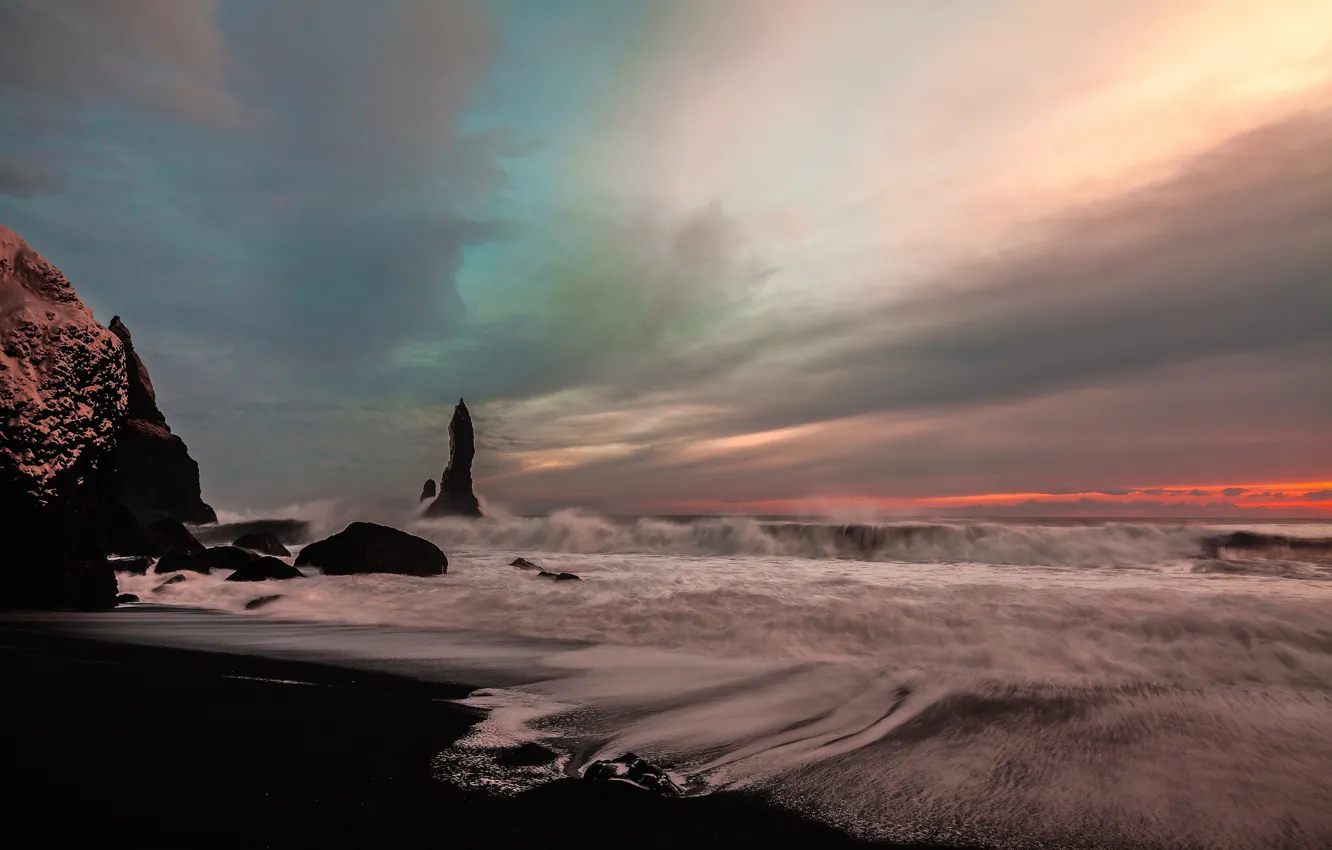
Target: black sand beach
<point>168,747</point>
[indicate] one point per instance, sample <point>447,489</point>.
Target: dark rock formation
<point>455,486</point>
<point>63,399</point>
<point>125,535</point>
<point>265,568</point>
<point>126,598</point>
<point>176,579</point>
<point>288,531</point>
<point>172,536</point>
<point>177,561</point>
<point>558,576</point>
<point>428,489</point>
<point>133,566</point>
<point>261,601</point>
<point>364,547</point>
<point>228,557</point>
<point>524,564</point>
<point>265,542</point>
<point>157,475</point>
<point>635,771</point>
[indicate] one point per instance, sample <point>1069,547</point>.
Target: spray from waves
<point>574,532</point>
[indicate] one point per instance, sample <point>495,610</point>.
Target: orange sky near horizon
<point>1302,496</point>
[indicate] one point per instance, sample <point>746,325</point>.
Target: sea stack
<point>428,489</point>
<point>455,486</point>
<point>63,399</point>
<point>158,478</point>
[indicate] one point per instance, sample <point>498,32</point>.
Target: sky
<point>1023,257</point>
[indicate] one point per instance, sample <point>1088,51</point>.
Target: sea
<point>1042,683</point>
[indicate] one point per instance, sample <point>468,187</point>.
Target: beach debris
<point>635,771</point>
<point>264,542</point>
<point>177,561</point>
<point>266,568</point>
<point>366,547</point>
<point>261,601</point>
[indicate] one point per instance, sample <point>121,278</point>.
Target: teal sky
<point>699,255</point>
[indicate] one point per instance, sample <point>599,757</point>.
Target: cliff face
<point>455,486</point>
<point>157,475</point>
<point>63,399</point>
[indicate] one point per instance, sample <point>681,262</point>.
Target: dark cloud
<point>23,177</point>
<point>1318,496</point>
<point>1200,493</point>
<point>1232,491</point>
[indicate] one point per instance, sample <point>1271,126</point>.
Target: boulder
<point>365,547</point>
<point>261,601</point>
<point>126,535</point>
<point>428,489</point>
<point>133,566</point>
<point>265,542</point>
<point>455,486</point>
<point>558,576</point>
<point>63,399</point>
<point>171,535</point>
<point>228,557</point>
<point>524,564</point>
<point>265,568</point>
<point>157,475</point>
<point>635,771</point>
<point>176,561</point>
<point>176,579</point>
<point>288,531</point>
<point>126,598</point>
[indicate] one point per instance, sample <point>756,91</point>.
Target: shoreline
<point>182,747</point>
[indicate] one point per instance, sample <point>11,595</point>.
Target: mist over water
<point>1009,684</point>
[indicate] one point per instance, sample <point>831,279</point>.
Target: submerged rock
<point>133,566</point>
<point>157,475</point>
<point>366,547</point>
<point>262,541</point>
<point>428,489</point>
<point>558,576</point>
<point>524,564</point>
<point>126,598</point>
<point>635,771</point>
<point>261,601</point>
<point>63,398</point>
<point>228,557</point>
<point>455,485</point>
<point>176,579</point>
<point>176,561</point>
<point>265,568</point>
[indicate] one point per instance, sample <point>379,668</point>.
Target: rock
<point>172,536</point>
<point>265,568</point>
<point>126,598</point>
<point>558,576</point>
<point>176,579</point>
<point>261,601</point>
<point>428,489</point>
<point>133,566</point>
<point>228,557</point>
<point>157,475</point>
<point>455,486</point>
<point>364,547</point>
<point>524,564</point>
<point>262,541</point>
<point>635,771</point>
<point>177,561</point>
<point>288,531</point>
<point>63,398</point>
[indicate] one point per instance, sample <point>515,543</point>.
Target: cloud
<point>23,177</point>
<point>1200,493</point>
<point>1232,491</point>
<point>1318,496</point>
